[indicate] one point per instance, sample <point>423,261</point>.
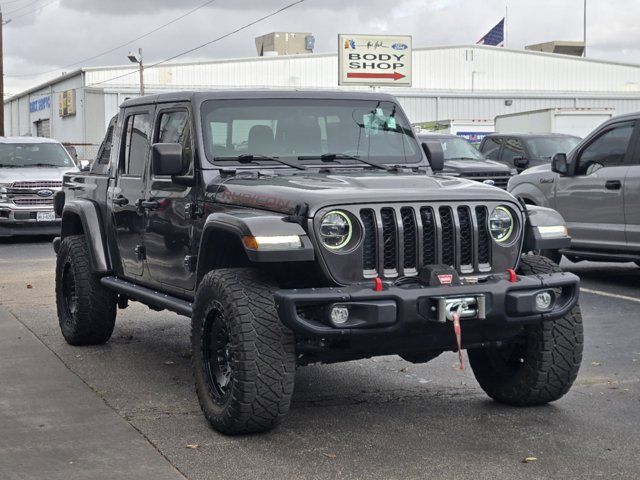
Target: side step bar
<point>601,256</point>
<point>148,296</point>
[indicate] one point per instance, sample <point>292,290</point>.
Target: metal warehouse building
<point>458,82</point>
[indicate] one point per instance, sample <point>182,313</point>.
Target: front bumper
<point>403,310</point>
<point>24,221</point>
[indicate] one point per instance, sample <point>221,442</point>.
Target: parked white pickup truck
<point>31,171</point>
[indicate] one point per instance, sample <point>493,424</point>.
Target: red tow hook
<point>377,284</point>
<point>457,329</point>
<point>513,277</point>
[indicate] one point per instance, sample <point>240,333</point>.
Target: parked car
<point>31,171</point>
<point>317,235</point>
<point>596,188</point>
<point>526,150</point>
<point>461,159</point>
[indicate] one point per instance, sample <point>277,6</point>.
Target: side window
<point>491,148</point>
<point>606,150</point>
<point>136,145</point>
<point>512,148</point>
<point>104,152</point>
<point>174,127</point>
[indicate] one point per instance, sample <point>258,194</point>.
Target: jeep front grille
<point>414,236</point>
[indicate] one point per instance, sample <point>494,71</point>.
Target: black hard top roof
<point>200,96</point>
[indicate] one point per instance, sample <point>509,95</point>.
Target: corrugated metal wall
<point>465,68</point>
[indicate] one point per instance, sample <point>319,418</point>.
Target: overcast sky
<point>66,31</point>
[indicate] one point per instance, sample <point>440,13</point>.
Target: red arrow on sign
<point>394,75</point>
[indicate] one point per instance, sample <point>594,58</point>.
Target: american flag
<point>495,36</point>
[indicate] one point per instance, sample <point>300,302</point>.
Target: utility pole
<point>1,80</point>
<point>584,29</point>
<point>137,58</point>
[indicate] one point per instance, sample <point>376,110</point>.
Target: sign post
<point>374,60</point>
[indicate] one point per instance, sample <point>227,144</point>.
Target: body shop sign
<point>374,60</point>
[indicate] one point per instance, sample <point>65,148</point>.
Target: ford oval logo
<point>399,46</point>
<point>488,181</point>
<point>44,193</point>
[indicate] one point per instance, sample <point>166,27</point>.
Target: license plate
<point>45,216</point>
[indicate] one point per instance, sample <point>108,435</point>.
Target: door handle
<point>121,200</point>
<point>147,204</point>
<point>613,185</point>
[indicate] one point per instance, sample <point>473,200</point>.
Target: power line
<point>22,7</point>
<point>244,27</point>
<point>79,62</point>
<point>10,2</point>
<point>30,11</point>
<point>286,7</point>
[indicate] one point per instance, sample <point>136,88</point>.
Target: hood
<point>283,193</point>
<point>10,175</point>
<point>474,166</point>
<point>543,168</point>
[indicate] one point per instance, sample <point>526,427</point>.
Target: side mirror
<point>435,154</point>
<point>521,163</point>
<point>559,164</point>
<point>167,159</point>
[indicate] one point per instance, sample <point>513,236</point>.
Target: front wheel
<point>541,364</point>
<point>243,357</point>
<point>86,309</point>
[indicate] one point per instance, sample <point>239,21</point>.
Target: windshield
<point>459,149</point>
<point>548,147</point>
<point>34,155</point>
<point>308,128</point>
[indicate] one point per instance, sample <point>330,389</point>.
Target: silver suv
<point>31,171</point>
<point>596,188</point>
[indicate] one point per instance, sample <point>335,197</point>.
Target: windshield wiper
<point>43,165</point>
<point>332,157</point>
<point>249,158</point>
<point>8,165</point>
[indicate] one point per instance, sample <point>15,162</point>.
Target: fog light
<point>339,314</point>
<point>544,300</point>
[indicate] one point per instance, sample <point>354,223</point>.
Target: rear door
<point>169,232</point>
<point>591,201</point>
<point>128,189</point>
<point>632,200</point>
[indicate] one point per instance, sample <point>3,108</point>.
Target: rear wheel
<point>86,310</point>
<point>541,364</point>
<point>243,357</point>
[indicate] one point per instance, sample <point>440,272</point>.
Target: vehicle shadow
<point>26,239</point>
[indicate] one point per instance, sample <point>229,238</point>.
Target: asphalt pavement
<point>128,409</point>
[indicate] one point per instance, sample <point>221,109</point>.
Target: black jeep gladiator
<point>303,227</point>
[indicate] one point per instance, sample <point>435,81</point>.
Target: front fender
<point>543,217</point>
<point>529,192</point>
<point>86,211</point>
<point>255,223</point>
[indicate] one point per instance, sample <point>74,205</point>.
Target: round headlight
<point>335,230</point>
<point>501,224</point>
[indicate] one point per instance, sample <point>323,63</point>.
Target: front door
<point>169,225</point>
<point>128,190</point>
<point>591,201</point>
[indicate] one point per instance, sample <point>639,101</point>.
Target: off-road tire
<point>259,356</point>
<point>543,369</point>
<point>554,255</point>
<point>86,309</point>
